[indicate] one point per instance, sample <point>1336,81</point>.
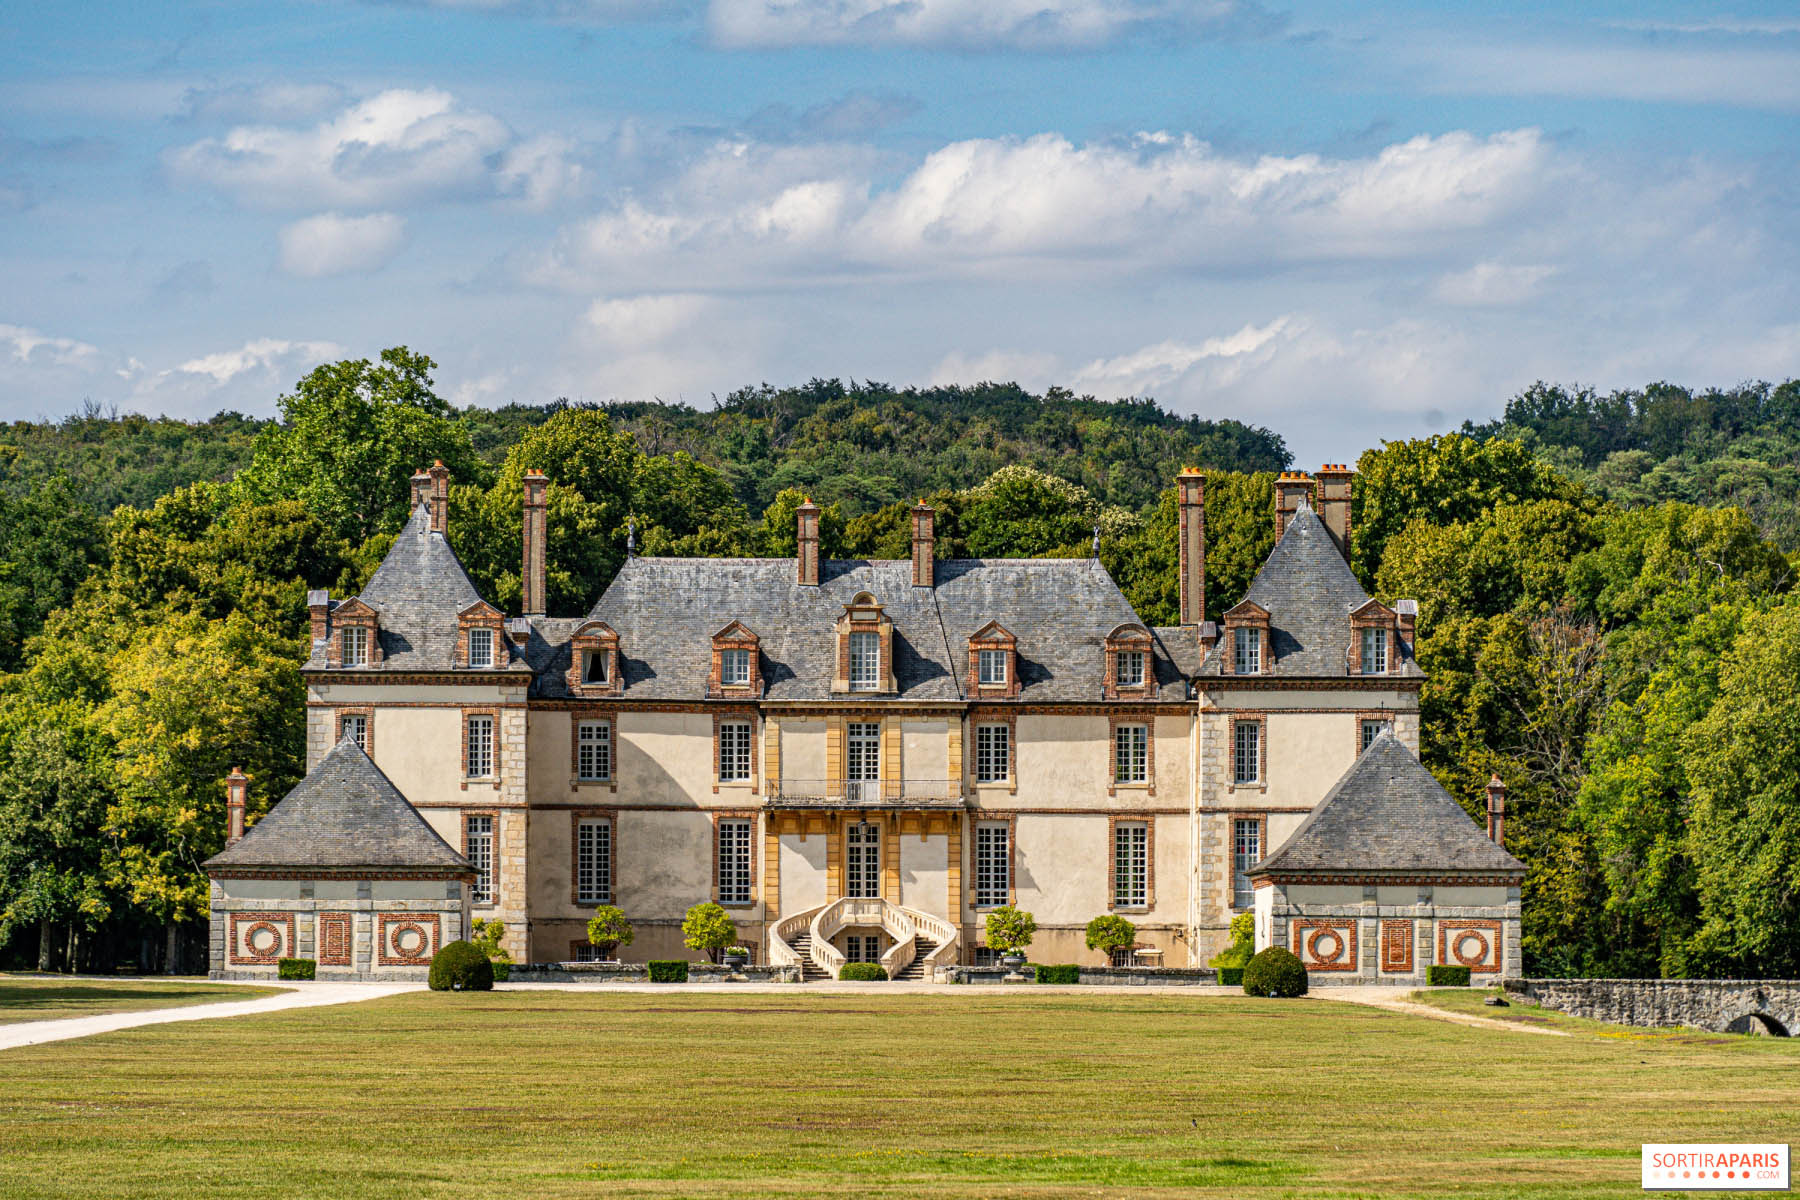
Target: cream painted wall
<point>552,890</point>
<point>1307,753</point>
<point>802,871</point>
<point>802,749</point>
<point>1171,737</point>
<point>1281,828</point>
<point>1060,866</point>
<point>420,749</point>
<point>447,822</point>
<point>925,749</point>
<point>664,862</point>
<point>407,889</point>
<point>1064,761</point>
<point>924,873</point>
<point>665,758</point>
<point>548,771</point>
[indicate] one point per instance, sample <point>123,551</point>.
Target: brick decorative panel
<point>336,940</point>
<point>260,938</point>
<point>1397,947</point>
<point>406,939</point>
<point>1470,943</point>
<point>1325,943</point>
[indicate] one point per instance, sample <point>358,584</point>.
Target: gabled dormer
<point>355,635</point>
<point>1130,664</point>
<point>736,662</point>
<point>993,663</point>
<point>1247,648</point>
<point>1374,640</point>
<point>865,648</point>
<point>594,668</point>
<point>480,644</point>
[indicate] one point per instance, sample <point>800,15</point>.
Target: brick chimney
<point>1496,808</point>
<point>1334,503</point>
<point>1291,487</point>
<point>531,573</point>
<point>421,491</point>
<point>924,545</point>
<point>440,496</point>
<point>806,550</point>
<point>1190,526</point>
<point>237,789</point>
<point>1406,614</point>
<point>318,610</point>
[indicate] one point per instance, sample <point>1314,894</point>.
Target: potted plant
<point>608,930</point>
<point>708,927</point>
<point>737,957</point>
<point>1010,930</point>
<point>1110,934</point>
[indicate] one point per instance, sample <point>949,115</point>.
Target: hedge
<point>502,971</point>
<point>1231,976</point>
<point>863,972</point>
<point>296,968</point>
<point>1275,972</point>
<point>461,967</point>
<point>668,970</point>
<point>1061,973</point>
<point>1447,976</point>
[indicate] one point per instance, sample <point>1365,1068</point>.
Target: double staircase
<point>920,943</point>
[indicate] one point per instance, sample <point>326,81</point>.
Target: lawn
<point>49,997</point>
<point>1473,1002</point>
<point>551,1094</point>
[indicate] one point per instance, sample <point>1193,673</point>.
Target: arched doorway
<point>1757,1025</point>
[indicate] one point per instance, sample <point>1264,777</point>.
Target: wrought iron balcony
<point>867,793</point>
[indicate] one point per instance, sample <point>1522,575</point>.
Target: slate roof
<point>1388,815</point>
<point>665,611</point>
<point>344,816</point>
<point>417,593</point>
<point>1309,591</point>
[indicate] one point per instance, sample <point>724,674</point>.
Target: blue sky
<point>1346,222</point>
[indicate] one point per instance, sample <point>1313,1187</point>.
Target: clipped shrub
<point>1109,933</point>
<point>305,968</point>
<point>608,930</point>
<point>461,967</point>
<point>668,970</point>
<point>1275,972</point>
<point>1446,976</point>
<point>1060,973</point>
<point>1243,943</point>
<point>863,972</point>
<point>708,927</point>
<point>1231,976</point>
<point>502,969</point>
<point>1010,929</point>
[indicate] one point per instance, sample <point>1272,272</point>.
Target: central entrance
<point>862,860</point>
<point>862,763</point>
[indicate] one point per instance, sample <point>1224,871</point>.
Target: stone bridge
<point>1765,1006</point>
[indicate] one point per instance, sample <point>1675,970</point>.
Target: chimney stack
<point>531,573</point>
<point>1190,525</point>
<point>237,788</point>
<point>440,496</point>
<point>1334,503</point>
<point>1291,487</point>
<point>318,609</point>
<point>806,550</point>
<point>924,545</point>
<point>1406,613</point>
<point>421,491</point>
<point>1496,806</point>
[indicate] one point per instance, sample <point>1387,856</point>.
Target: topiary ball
<point>1275,972</point>
<point>460,967</point>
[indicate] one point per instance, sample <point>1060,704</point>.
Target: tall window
<point>593,750</point>
<point>1371,729</point>
<point>993,668</point>
<point>862,873</point>
<point>593,861</point>
<point>1131,754</point>
<point>1246,848</point>
<point>993,753</point>
<point>354,726</point>
<point>356,646</point>
<point>862,765</point>
<point>993,865</point>
<point>478,848</point>
<point>734,862</point>
<point>1131,668</point>
<point>1131,864</point>
<point>865,662</point>
<point>1246,752</point>
<point>481,647</point>
<point>1374,651</point>
<point>734,751</point>
<point>479,756</point>
<point>734,668</point>
<point>1246,651</point>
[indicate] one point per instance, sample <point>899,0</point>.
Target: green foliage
<point>1062,973</point>
<point>296,968</point>
<point>460,966</point>
<point>1275,972</point>
<point>50,539</point>
<point>1010,929</point>
<point>485,936</point>
<point>1230,976</point>
<point>1243,943</point>
<point>863,972</point>
<point>608,929</point>
<point>1443,975</point>
<point>708,927</point>
<point>1110,932</point>
<point>668,970</point>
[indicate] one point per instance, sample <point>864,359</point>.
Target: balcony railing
<point>868,793</point>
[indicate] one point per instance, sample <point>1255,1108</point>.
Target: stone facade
<point>351,928</point>
<point>1770,1006</point>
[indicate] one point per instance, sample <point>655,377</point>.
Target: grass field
<point>48,997</point>
<point>551,1094</point>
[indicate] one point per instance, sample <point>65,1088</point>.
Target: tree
<point>608,930</point>
<point>1010,929</point>
<point>1243,943</point>
<point>708,927</point>
<point>49,541</point>
<point>485,936</point>
<point>1108,933</point>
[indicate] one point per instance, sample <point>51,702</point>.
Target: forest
<point>1607,612</point>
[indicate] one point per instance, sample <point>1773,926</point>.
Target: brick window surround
<point>735,636</point>
<point>481,615</point>
<point>1326,943</point>
<point>367,713</point>
<point>334,939</point>
<point>1009,822</point>
<point>1374,714</point>
<point>1451,945</point>
<point>353,614</point>
<point>864,615</point>
<point>1148,821</point>
<point>462,837</point>
<point>738,716</point>
<point>994,637</point>
<point>242,926</point>
<point>1261,783</point>
<point>1114,722</point>
<point>389,927</point>
<point>594,637</point>
<point>1247,615</point>
<point>1397,947</point>
<point>1373,615</point>
<point>1129,639</point>
<point>611,782</point>
<point>576,817</point>
<point>1262,841</point>
<point>493,778</point>
<point>1004,720</point>
<point>719,819</point>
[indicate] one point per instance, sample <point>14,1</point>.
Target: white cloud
<point>636,321</point>
<point>259,101</point>
<point>976,24</point>
<point>1747,75</point>
<point>262,354</point>
<point>541,171</point>
<point>1033,369</point>
<point>31,348</point>
<point>333,244</point>
<point>1491,283</point>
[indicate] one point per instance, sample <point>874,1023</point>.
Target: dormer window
<point>734,668</point>
<point>1372,631</point>
<point>1246,651</point>
<point>993,662</point>
<point>993,668</point>
<point>865,662</point>
<point>478,634</point>
<point>353,640</point>
<point>356,646</point>
<point>593,661</point>
<point>736,662</point>
<point>865,648</point>
<point>481,647</point>
<point>593,666</point>
<point>1131,668</point>
<point>1374,651</point>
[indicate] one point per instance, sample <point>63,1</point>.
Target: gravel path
<point>1394,999</point>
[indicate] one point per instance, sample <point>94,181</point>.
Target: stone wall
<point>353,929</point>
<point>1720,1005</point>
<point>594,972</point>
<point>1116,976</point>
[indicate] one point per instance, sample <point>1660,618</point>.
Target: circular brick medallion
<point>1463,956</point>
<point>410,940</point>
<point>263,940</point>
<point>1325,945</point>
